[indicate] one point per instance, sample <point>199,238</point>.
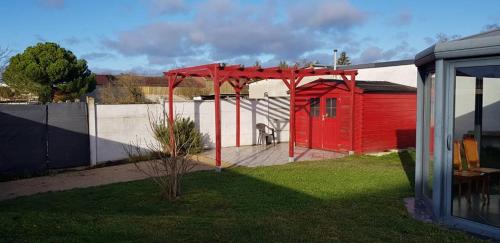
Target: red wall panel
<point>389,121</point>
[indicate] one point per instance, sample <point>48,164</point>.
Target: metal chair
<point>263,134</point>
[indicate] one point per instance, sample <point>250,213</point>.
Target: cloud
<point>52,4</point>
<point>225,30</point>
<point>97,55</point>
<point>327,15</point>
<point>163,7</point>
<point>72,41</point>
<point>374,53</point>
<point>157,41</point>
<point>147,71</point>
<point>401,35</point>
<point>403,18</point>
<point>75,40</point>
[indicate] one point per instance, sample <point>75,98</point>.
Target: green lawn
<point>351,199</point>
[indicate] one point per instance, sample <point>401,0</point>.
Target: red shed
<point>384,116</point>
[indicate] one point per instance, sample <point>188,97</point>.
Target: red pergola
<point>238,76</point>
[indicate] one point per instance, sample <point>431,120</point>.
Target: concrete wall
<point>465,105</point>
<point>465,89</point>
<point>402,74</point>
<point>113,127</point>
<point>491,104</point>
<point>118,126</point>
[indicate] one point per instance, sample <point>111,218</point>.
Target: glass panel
<point>314,102</point>
<point>331,107</point>
<point>476,145</point>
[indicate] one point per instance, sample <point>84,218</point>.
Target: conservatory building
<point>457,176</point>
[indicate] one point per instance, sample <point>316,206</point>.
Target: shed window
<point>331,107</point>
<point>314,107</point>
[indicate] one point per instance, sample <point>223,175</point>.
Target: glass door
<point>475,174</point>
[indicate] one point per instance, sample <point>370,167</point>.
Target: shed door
<point>324,126</point>
<point>316,117</point>
<point>330,124</point>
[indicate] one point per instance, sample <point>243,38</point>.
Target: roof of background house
<point>482,44</point>
<point>367,86</point>
<point>222,96</point>
<point>371,65</point>
<point>151,81</point>
<point>103,79</point>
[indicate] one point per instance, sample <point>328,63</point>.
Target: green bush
<point>188,139</point>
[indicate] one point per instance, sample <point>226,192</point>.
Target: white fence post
<point>92,119</point>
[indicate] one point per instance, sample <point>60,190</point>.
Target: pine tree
<point>283,64</point>
<point>49,70</point>
<point>343,59</point>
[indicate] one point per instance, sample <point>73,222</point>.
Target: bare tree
<point>124,89</point>
<point>442,37</point>
<point>305,63</point>
<point>172,160</point>
<point>491,27</point>
<point>4,59</point>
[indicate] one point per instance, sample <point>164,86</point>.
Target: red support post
<point>353,110</point>
<point>216,80</point>
<point>238,90</point>
<point>171,83</point>
<point>291,143</point>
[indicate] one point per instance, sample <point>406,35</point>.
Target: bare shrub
<point>124,89</point>
<point>7,93</point>
<point>174,160</point>
<point>190,92</point>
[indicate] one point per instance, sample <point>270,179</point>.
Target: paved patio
<point>262,155</point>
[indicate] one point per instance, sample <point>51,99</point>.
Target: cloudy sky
<point>150,36</point>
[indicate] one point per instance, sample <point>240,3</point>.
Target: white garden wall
<point>113,127</point>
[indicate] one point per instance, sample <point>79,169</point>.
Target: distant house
<point>156,87</point>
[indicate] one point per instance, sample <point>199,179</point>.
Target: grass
<point>352,199</point>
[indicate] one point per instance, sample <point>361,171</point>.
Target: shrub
<point>174,160</point>
<point>188,138</point>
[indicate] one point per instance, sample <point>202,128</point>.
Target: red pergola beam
<point>238,71</point>
<point>220,73</point>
